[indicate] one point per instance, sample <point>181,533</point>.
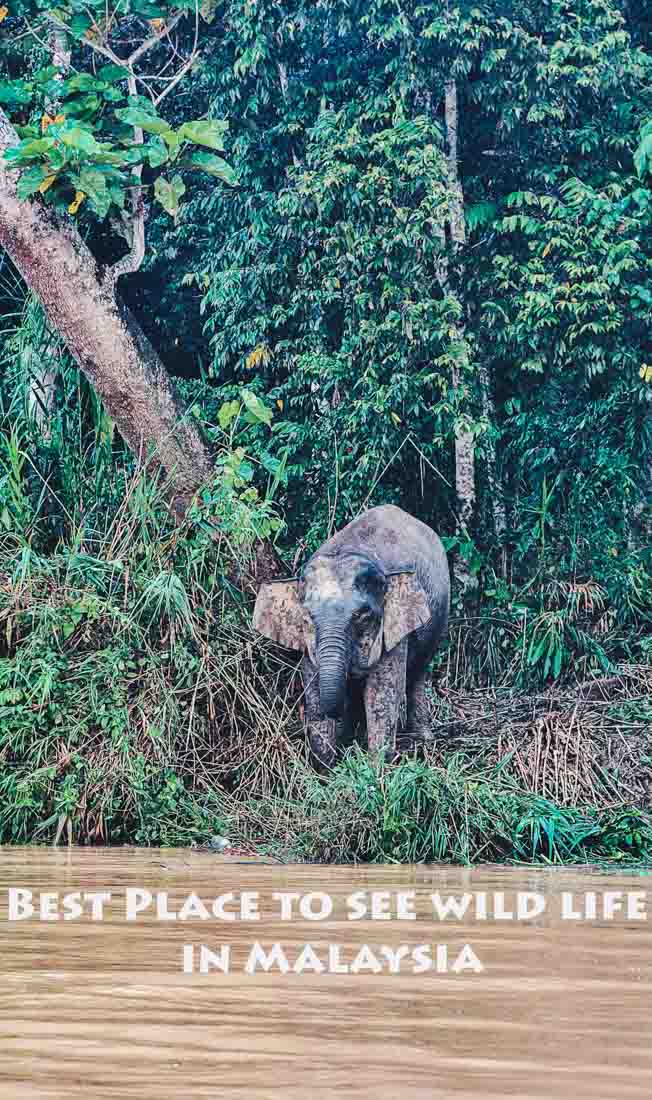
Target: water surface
<point>103,1008</point>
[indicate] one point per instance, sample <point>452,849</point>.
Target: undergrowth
<point>137,706</point>
<point>416,812</point>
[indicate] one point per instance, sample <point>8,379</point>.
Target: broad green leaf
<point>156,152</point>
<point>117,196</point>
<point>134,155</point>
<point>30,181</point>
<point>228,412</point>
<point>149,10</point>
<point>133,116</point>
<point>75,137</point>
<point>88,105</point>
<point>45,74</point>
<point>168,193</point>
<point>643,155</point>
<point>79,25</point>
<point>82,82</point>
<point>206,133</point>
<point>106,155</point>
<point>93,183</point>
<point>172,139</point>
<point>111,73</point>
<point>14,93</point>
<point>26,150</point>
<point>143,102</point>
<point>257,412</point>
<point>215,166</point>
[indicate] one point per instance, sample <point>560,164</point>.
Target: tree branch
<point>106,51</point>
<point>176,78</point>
<point>134,258</point>
<point>154,40</point>
<point>194,53</point>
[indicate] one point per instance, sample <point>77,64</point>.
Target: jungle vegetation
<point>262,265</point>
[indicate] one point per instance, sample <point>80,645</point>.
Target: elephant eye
<point>362,616</point>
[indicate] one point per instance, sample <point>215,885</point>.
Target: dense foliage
<point>340,303</point>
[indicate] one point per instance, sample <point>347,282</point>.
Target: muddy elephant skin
<point>368,612</point>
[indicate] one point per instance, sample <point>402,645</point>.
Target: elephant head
<point>344,612</point>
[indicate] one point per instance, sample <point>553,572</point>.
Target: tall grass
<point>420,812</point>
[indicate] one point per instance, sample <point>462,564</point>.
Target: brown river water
<point>102,1008</point>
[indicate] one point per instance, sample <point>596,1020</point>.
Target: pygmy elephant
<point>368,612</point>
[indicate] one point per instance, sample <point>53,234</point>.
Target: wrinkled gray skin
<point>345,594</point>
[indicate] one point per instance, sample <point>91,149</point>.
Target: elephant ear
<point>279,615</point>
<point>406,607</point>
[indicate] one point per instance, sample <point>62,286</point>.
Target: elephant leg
<point>322,737</point>
<point>384,699</point>
<point>418,724</point>
<point>322,732</point>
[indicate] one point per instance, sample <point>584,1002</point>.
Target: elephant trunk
<point>332,652</point>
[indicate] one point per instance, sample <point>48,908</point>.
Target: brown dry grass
<point>589,743</point>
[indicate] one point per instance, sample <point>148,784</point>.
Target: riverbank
<point>138,706</point>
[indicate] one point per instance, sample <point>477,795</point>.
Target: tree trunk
<point>455,193</point>
<point>465,473</point>
<point>464,442</point>
<point>41,371</point>
<point>495,489</point>
<point>105,341</point>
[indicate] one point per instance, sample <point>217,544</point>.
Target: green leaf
<point>93,183</point>
<point>169,192</point>
<point>172,139</point>
<point>88,105</point>
<point>206,133</point>
<point>112,95</point>
<point>112,73</point>
<point>75,137</point>
<point>26,150</point>
<point>82,82</point>
<point>257,412</point>
<point>117,196</point>
<point>481,213</point>
<point>135,155</point>
<point>643,155</point>
<point>274,466</point>
<point>556,664</point>
<point>156,152</point>
<point>228,412</point>
<point>79,25</point>
<point>149,10</point>
<point>14,93</point>
<point>134,116</point>
<point>215,166</point>
<point>105,154</point>
<point>30,181</point>
<point>45,74</point>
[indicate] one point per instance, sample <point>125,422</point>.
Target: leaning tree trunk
<point>105,341</point>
